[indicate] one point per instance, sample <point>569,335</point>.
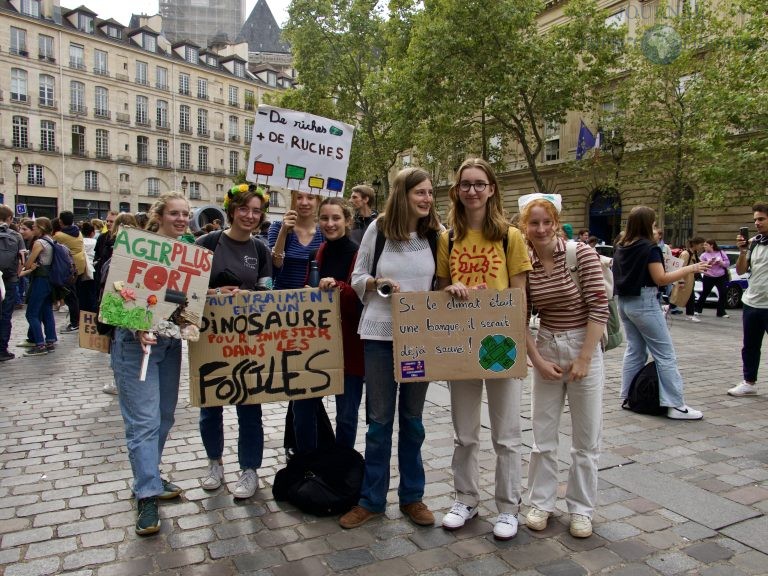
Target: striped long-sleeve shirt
<point>560,304</point>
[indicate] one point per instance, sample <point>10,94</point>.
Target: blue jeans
<point>6,314</point>
<point>39,312</point>
<point>647,331</point>
<point>148,407</point>
<point>382,391</point>
<point>21,289</point>
<point>250,440</point>
<point>755,323</point>
<point>347,407</point>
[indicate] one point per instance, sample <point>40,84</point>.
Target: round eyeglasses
<point>465,185</point>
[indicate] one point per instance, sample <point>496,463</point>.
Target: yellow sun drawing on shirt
<point>474,265</point>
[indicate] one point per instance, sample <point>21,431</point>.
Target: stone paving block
<point>347,539</point>
<point>431,559</point>
<point>747,494</point>
<point>10,555</point>
<point>191,538</point>
<point>180,558</point>
<point>597,559</point>
<point>725,570</point>
<point>392,529</point>
<point>270,538</point>
<point>230,547</point>
<point>649,522</point>
<point>634,570</point>
<point>708,552</point>
<point>199,520</point>
<point>50,548</point>
<point>753,533</point>
<point>102,538</point>
<point>751,562</point>
<point>15,524</point>
<point>431,538</point>
<point>615,530</point>
<point>304,567</point>
<point>392,548</point>
<point>693,531</point>
<point>679,496</point>
<point>26,537</point>
<point>632,549</point>
<point>88,557</point>
<point>391,567</point>
<point>672,563</point>
<point>534,554</point>
<point>488,566</point>
<point>304,548</point>
<point>562,568</point>
<point>473,547</point>
<point>41,567</point>
<point>239,528</point>
<point>346,559</point>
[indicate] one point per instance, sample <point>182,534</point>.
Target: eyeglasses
<point>244,211</point>
<point>465,185</point>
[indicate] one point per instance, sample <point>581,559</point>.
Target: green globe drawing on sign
<point>661,44</point>
<point>497,353</point>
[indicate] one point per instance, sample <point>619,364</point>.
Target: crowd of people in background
<point>367,256</point>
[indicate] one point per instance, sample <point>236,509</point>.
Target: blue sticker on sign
<point>412,369</point>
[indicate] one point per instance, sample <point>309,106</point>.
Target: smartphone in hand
<point>744,231</point>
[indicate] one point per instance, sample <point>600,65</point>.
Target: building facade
<point>202,21</point>
<point>101,116</point>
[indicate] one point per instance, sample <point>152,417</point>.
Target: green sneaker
<point>170,491</point>
<point>26,344</point>
<point>147,516</point>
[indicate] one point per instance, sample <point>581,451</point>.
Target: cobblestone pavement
<point>675,497</point>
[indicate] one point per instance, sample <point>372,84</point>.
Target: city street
<point>675,497</point>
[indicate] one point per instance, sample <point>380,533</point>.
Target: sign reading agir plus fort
<point>151,278</point>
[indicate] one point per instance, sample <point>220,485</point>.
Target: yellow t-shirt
<point>475,260</point>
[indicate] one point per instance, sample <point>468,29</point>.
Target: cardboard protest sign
<point>151,278</point>
<point>672,263</point>
<point>258,347</point>
<point>88,336</point>
<point>299,151</point>
<point>437,337</point>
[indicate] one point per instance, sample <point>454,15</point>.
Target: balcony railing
<point>45,103</point>
<point>107,114</point>
<point>46,58</point>
<point>161,86</point>
<point>18,52</point>
<point>162,125</point>
<point>233,138</point>
<point>101,72</point>
<point>77,64</point>
<point>78,110</point>
<point>185,130</point>
<point>203,133</point>
<point>142,81</point>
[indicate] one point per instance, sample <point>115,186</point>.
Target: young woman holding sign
<point>293,241</point>
<point>479,228</point>
<point>567,361</point>
<point>148,406</point>
<point>335,258</point>
<point>240,262</point>
<point>406,264</point>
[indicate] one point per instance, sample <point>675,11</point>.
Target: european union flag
<point>586,141</point>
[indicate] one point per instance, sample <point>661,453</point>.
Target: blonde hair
<point>158,209</point>
<point>394,222</point>
<point>495,224</point>
<point>122,219</point>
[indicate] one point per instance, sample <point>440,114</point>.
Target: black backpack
<point>323,482</point>
<point>643,395</point>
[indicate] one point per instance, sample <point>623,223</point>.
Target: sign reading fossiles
<point>299,151</point>
<point>438,337</point>
<point>258,347</point>
<point>153,279</point>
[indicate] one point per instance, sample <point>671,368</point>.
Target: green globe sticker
<point>497,353</point>
<point>335,131</point>
<point>661,44</point>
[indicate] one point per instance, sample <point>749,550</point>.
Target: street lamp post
<point>184,184</point>
<point>16,170</point>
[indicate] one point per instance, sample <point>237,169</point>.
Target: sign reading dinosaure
<point>438,337</point>
<point>258,347</point>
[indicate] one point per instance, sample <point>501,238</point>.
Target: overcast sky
<point>122,11</point>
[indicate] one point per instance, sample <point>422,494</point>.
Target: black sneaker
<point>170,491</point>
<point>6,356</point>
<point>69,329</point>
<point>147,516</point>
<point>50,346</point>
<point>36,351</point>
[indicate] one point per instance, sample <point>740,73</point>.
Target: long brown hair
<point>394,222</point>
<point>639,225</point>
<point>495,225</point>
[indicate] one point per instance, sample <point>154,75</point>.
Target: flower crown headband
<point>237,189</point>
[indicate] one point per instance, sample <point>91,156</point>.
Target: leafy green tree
<point>735,148</point>
<point>343,53</point>
<point>483,73</point>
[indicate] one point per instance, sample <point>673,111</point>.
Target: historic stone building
<point>102,116</point>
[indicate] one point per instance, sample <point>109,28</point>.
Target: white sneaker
<point>246,484</point>
<point>215,476</point>
<point>684,413</point>
<point>743,389</point>
<point>536,519</point>
<point>697,313</point>
<point>458,515</point>
<point>581,526</point>
<point>693,318</point>
<point>505,527</point>
<point>110,388</point>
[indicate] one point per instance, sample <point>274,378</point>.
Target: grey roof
<point>262,32</point>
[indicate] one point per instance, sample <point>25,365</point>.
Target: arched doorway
<point>605,214</point>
